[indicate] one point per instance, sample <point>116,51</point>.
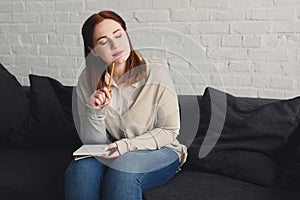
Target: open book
<point>90,150</point>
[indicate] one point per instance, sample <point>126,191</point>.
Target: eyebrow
<point>106,36</point>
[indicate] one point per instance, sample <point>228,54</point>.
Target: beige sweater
<point>143,115</point>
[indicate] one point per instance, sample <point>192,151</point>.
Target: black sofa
<point>262,161</point>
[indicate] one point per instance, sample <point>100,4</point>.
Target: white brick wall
<point>248,47</point>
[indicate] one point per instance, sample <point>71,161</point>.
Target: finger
<point>111,146</point>
<point>107,93</point>
<point>97,102</point>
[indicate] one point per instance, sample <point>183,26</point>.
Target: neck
<point>119,71</point>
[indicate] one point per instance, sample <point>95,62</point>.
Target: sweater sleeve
<point>92,129</point>
<point>166,127</point>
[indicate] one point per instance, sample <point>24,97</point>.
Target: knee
<point>85,169</point>
<point>121,185</point>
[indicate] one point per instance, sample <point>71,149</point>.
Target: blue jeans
<point>124,178</point>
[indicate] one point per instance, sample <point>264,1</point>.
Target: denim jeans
<point>124,178</point>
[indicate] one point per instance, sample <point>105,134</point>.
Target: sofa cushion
<point>50,122</point>
<point>201,185</point>
<point>14,105</point>
<point>290,172</point>
<point>33,173</point>
<point>245,146</point>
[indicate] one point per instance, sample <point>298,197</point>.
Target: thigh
<point>144,161</point>
<point>83,179</point>
<point>134,172</point>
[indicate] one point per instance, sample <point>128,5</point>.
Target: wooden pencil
<point>111,75</point>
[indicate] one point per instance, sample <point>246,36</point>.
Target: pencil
<point>111,75</point>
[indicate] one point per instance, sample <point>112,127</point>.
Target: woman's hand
<point>100,98</point>
<point>113,147</point>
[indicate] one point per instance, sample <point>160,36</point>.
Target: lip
<point>118,53</point>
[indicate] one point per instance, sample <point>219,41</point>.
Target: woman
<point>138,118</point>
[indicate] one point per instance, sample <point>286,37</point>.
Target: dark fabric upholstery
<point>35,173</point>
<point>14,105</point>
<point>188,185</point>
<point>248,139</point>
<point>50,122</point>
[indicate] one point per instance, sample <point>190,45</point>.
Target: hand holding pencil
<point>101,98</point>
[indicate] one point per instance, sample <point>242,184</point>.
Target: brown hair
<point>134,58</point>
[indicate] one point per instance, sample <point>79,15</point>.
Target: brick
<point>11,7</point>
<point>210,4</point>
<point>69,28</point>
<point>135,4</point>
<point>159,4</point>
<point>243,92</point>
<point>171,28</point>
<point>47,17</point>
<point>7,60</point>
<point>4,49</point>
<point>72,6</point>
<point>231,41</point>
<point>26,39</point>
<point>67,74</point>
<point>210,27</point>
<point>31,60</point>
<point>25,17</point>
<point>76,51</point>
<point>62,62</point>
<point>62,17</point>
<point>45,71</point>
<point>291,94</point>
<point>24,50</point>
<point>229,53</point>
<point>291,69</point>
<point>274,68</point>
<point>13,28</point>
<point>252,3</point>
<point>281,83</point>
<point>193,15</point>
<point>250,27</point>
<point>286,26</point>
<point>70,40</point>
<point>286,2</point>
<point>41,39</point>
<point>80,17</point>
<point>96,5</point>
<point>5,17</point>
<point>231,80</point>
<point>251,41</point>
<point>273,94</point>
<point>39,6</point>
<point>261,81</point>
<point>55,38</point>
<point>51,50</point>
<point>152,16</point>
<point>273,14</point>
<point>13,39</point>
<point>211,40</point>
<point>239,67</point>
<point>227,15</point>
<point>271,55</point>
<point>40,28</point>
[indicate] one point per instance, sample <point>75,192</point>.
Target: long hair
<point>134,58</point>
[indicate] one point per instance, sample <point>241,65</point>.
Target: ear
<point>92,51</point>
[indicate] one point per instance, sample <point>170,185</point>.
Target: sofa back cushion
<point>50,122</point>
<point>252,131</point>
<point>13,103</point>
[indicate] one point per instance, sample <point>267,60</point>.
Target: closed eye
<point>118,34</point>
<point>103,41</point>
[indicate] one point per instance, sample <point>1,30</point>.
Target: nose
<point>113,44</point>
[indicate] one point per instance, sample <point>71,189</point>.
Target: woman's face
<point>110,42</point>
